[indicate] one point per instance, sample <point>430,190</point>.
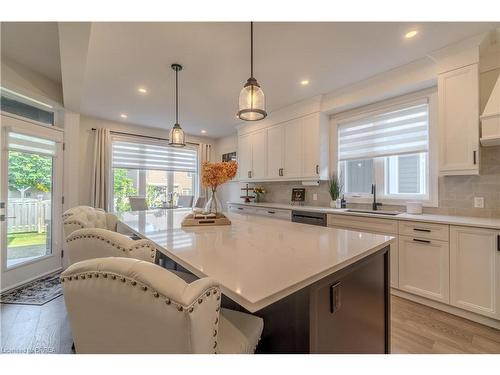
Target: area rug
<point>36,292</point>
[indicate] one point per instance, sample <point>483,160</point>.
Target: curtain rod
<point>147,136</point>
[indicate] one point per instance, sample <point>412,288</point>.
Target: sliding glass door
<point>31,199</point>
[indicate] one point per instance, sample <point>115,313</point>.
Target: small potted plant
<point>335,187</point>
<point>259,191</point>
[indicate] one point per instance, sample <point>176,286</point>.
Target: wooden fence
<point>28,215</point>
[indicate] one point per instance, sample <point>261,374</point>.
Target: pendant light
<point>176,137</point>
<point>252,106</point>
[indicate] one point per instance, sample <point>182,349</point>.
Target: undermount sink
<point>390,213</point>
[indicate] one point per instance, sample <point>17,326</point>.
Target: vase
<point>213,205</point>
<point>333,204</point>
<point>257,198</point>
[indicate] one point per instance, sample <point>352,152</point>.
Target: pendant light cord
<point>251,49</point>
<point>176,95</point>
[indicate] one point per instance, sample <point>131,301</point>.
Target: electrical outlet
<point>315,197</point>
<point>478,202</point>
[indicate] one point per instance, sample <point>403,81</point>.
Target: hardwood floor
<point>420,329</point>
<point>415,329</point>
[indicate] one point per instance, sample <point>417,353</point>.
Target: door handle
<point>335,298</point>
<point>317,169</point>
<point>249,174</point>
<point>474,156</point>
<point>498,242</point>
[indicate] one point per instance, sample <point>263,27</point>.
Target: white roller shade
<point>132,155</point>
<point>27,143</point>
<point>394,132</point>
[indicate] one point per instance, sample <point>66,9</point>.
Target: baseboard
<point>449,309</point>
<point>29,280</point>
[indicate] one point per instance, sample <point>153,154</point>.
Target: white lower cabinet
<point>475,270</point>
<point>424,267</point>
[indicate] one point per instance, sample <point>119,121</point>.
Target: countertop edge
<point>476,222</point>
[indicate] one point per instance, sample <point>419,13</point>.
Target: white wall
<point>23,80</point>
<point>230,191</point>
<point>86,143</point>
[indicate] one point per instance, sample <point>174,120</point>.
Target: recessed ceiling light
<point>304,82</point>
<point>123,115</point>
<point>142,90</point>
<point>203,132</point>
<point>411,34</point>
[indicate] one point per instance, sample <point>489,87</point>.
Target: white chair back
<point>120,305</point>
<point>185,201</point>
<point>91,243</point>
<point>80,217</point>
<point>138,203</point>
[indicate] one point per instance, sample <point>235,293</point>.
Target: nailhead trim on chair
<point>69,239</point>
<point>155,294</point>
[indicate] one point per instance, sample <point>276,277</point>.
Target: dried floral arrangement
<point>215,174</point>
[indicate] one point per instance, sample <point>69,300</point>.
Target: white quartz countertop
<point>257,260</point>
<point>479,222</point>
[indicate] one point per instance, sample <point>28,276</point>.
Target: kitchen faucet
<point>375,204</point>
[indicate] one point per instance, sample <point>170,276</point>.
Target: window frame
<point>142,179</point>
<point>431,200</point>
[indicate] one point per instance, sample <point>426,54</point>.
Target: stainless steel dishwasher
<point>306,217</point>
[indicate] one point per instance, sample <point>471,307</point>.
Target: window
<point>28,108</point>
<point>389,148</point>
<point>152,170</point>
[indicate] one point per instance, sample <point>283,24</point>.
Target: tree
<point>123,188</point>
<point>29,171</point>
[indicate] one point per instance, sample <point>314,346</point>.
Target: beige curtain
<point>101,169</point>
<point>204,150</point>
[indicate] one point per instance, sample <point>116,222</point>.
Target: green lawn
<point>26,239</point>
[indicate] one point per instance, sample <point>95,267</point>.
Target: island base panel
<point>346,312</point>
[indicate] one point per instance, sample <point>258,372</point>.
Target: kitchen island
<point>319,290</point>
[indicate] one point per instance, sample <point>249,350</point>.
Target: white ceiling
<point>215,56</point>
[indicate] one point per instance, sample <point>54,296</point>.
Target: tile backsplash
<point>456,193</point>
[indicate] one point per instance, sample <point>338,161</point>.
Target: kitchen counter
<point>308,283</point>
<point>490,223</point>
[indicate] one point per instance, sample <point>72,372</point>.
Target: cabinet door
<point>424,267</point>
<point>244,157</point>
<point>475,270</point>
<point>293,149</point>
<point>275,152</point>
<point>459,121</point>
<point>311,146</point>
<point>259,155</point>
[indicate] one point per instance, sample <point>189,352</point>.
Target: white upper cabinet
<point>292,162</point>
<point>275,143</point>
<point>458,92</point>
<point>475,270</point>
<point>244,157</point>
<point>252,156</point>
<point>292,150</point>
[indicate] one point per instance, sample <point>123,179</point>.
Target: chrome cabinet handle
<point>335,300</point>
<point>249,174</point>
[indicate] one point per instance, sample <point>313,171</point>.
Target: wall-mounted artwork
<point>230,156</point>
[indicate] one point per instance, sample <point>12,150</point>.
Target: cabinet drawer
<point>424,230</point>
<point>424,267</point>
<point>242,209</point>
<point>367,224</point>
<point>272,212</point>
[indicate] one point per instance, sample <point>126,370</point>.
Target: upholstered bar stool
<point>88,217</point>
<point>91,243</point>
<point>123,305</point>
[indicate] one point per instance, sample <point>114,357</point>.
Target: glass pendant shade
<point>176,136</point>
<point>252,102</point>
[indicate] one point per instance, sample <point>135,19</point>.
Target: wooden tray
<point>190,221</point>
